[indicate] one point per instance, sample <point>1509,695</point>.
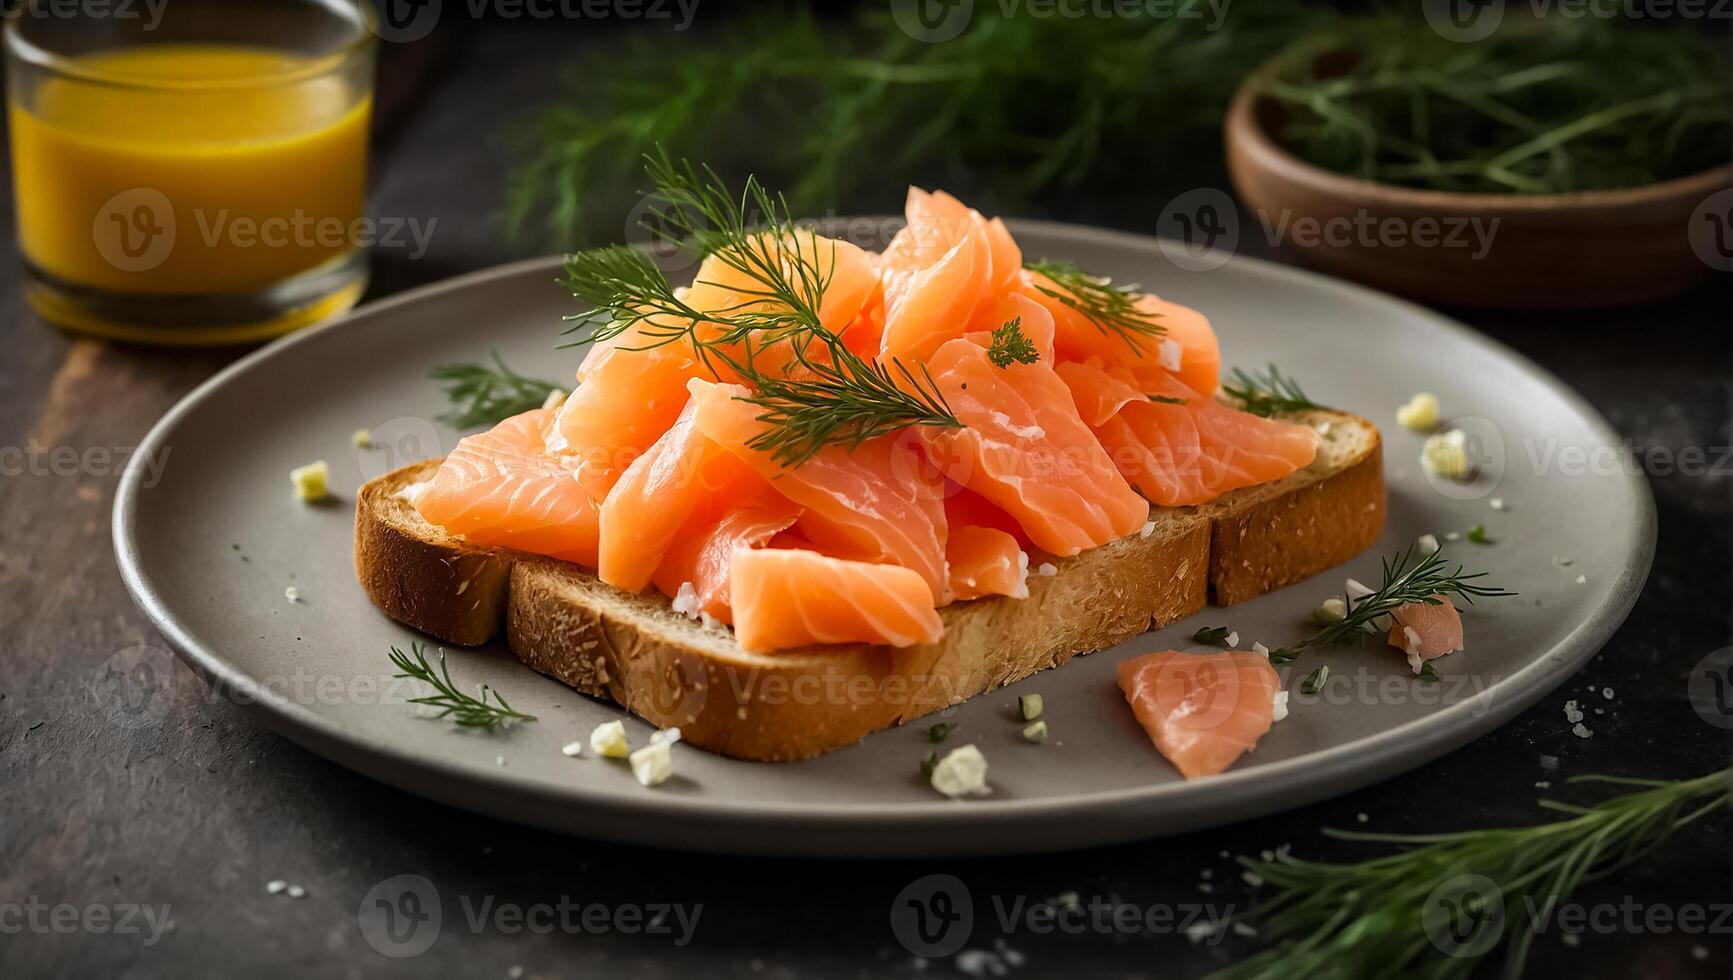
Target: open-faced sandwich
<point>822,490</point>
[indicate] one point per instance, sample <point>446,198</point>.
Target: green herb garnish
<point>1010,346</point>
<point>1169,400</point>
<point>1554,105</point>
<point>1445,902</point>
<point>487,394</point>
<point>939,731</point>
<point>838,397</point>
<point>470,712</point>
<point>1271,393</point>
<point>928,764</point>
<point>1111,308</point>
<point>1314,681</point>
<point>1428,672</point>
<point>1477,534</point>
<point>1423,581</point>
<point>1211,634</point>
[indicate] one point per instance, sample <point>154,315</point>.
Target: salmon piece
<point>785,599</point>
<point>1176,446</point>
<point>986,561</point>
<point>872,502</point>
<point>851,274</point>
<point>1426,631</point>
<point>702,557</point>
<point>937,270</point>
<point>965,507</point>
<point>683,478</point>
<point>1024,448</point>
<point>1201,711</point>
<point>1032,319</point>
<point>501,488</point>
<point>626,400</point>
<point>1187,347</point>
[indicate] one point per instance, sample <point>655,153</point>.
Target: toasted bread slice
<point>791,704</point>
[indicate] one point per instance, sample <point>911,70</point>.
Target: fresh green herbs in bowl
<point>1550,107</point>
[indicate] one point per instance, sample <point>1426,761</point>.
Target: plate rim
<point>1245,793</point>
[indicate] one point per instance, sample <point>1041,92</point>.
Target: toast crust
<point>670,670</point>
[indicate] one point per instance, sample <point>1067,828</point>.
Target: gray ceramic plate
<point>317,671</point>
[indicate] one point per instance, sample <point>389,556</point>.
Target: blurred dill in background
<point>845,110</point>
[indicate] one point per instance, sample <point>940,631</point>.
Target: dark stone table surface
<point>176,828</point>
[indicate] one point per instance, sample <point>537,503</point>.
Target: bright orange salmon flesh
<point>654,472</point>
<point>1202,711</point>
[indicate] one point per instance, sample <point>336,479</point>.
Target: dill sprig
<point>1425,581</point>
<point>1011,345</point>
<point>1111,308</point>
<point>1267,394</point>
<point>1439,907</point>
<point>470,712</point>
<point>486,394</point>
<point>837,396</point>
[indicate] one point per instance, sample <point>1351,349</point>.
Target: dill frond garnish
<point>1271,393</point>
<point>487,394</point>
<point>1011,346</point>
<point>1111,308</point>
<point>1405,581</point>
<point>1447,901</point>
<point>461,708</point>
<point>839,397</point>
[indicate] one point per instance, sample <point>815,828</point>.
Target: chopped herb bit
<point>1285,655</point>
<point>470,712</point>
<point>1428,672</point>
<point>928,764</point>
<point>1029,706</point>
<point>1314,681</point>
<point>1272,393</point>
<point>1169,400</point>
<point>1477,534</point>
<point>1010,345</point>
<point>1035,731</point>
<point>1210,634</point>
<point>940,731</point>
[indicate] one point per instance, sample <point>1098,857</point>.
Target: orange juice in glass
<point>196,178</point>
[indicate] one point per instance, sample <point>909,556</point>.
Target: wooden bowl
<point>1545,252</point>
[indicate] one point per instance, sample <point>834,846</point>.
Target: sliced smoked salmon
<point>703,558</point>
<point>1426,631</point>
<point>502,488</point>
<point>787,599</point>
<point>1201,711</point>
<point>1185,347</point>
<point>1178,447</point>
<point>986,561</point>
<point>1025,449</point>
<point>873,502</point>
